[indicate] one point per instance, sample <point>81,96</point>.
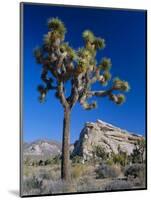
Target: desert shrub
<point>35,163</point>
<point>35,182</point>
<point>77,159</point>
<point>49,174</point>
<point>41,163</point>
<point>27,161</point>
<point>87,184</point>
<point>135,170</point>
<point>48,161</point>
<point>118,185</point>
<point>120,158</point>
<point>137,155</point>
<point>100,152</point>
<point>36,185</point>
<point>30,162</point>
<point>108,171</point>
<point>32,184</point>
<point>109,162</point>
<point>45,175</point>
<point>77,171</point>
<point>52,161</point>
<point>129,159</point>
<point>56,159</point>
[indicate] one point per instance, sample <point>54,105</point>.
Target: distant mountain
<point>42,147</point>
<point>105,135</point>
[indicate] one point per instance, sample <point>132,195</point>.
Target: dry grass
<point>85,177</point>
<point>80,170</point>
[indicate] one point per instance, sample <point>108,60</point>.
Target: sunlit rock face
<point>105,135</point>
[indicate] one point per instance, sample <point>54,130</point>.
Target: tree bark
<point>65,164</point>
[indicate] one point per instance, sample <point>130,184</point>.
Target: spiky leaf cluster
<point>65,48</point>
<point>120,98</point>
<point>121,85</point>
<point>57,26</point>
<point>99,43</point>
<point>88,36</point>
<point>92,41</point>
<point>105,64</point>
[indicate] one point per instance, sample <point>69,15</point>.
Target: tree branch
<point>102,93</point>
<point>73,98</point>
<point>62,95</point>
<point>96,76</point>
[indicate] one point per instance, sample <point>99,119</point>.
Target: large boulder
<point>109,137</point>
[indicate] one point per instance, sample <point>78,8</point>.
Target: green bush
<point>54,160</point>
<point>109,161</point>
<point>120,158</point>
<point>134,170</point>
<point>100,152</point>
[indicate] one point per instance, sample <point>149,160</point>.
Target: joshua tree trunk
<point>65,165</point>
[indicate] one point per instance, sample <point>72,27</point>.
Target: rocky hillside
<point>105,135</point>
<point>42,148</point>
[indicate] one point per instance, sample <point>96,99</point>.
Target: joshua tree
<point>62,65</point>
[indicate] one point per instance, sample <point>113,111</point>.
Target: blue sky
<point>124,32</point>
